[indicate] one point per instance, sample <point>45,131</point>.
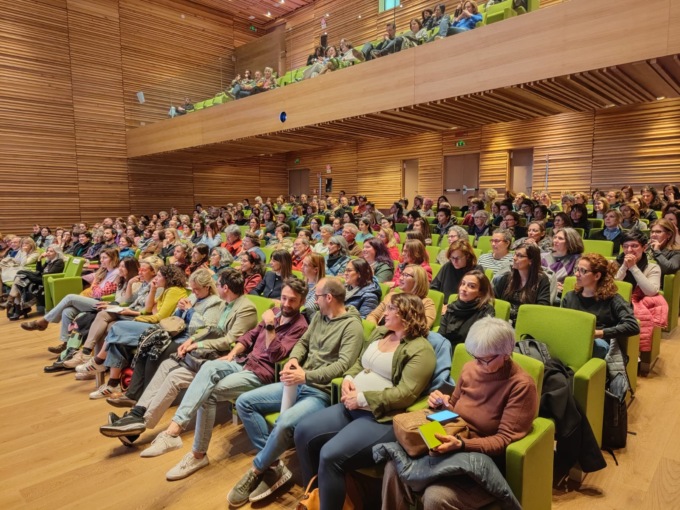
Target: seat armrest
<point>589,384</point>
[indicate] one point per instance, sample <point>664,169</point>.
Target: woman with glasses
<point>386,236</point>
<point>338,256</point>
<point>394,368</point>
<point>455,233</point>
<point>413,253</point>
<point>499,259</point>
<point>596,292</point>
<point>566,250</point>
<point>413,280</point>
<point>475,301</point>
<point>498,401</point>
<point>322,247</point>
<point>526,283</point>
<point>363,291</point>
<point>480,225</point>
<point>461,260</point>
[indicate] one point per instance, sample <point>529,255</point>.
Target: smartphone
<point>443,416</point>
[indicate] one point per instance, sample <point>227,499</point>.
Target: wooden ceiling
<point>257,8</point>
<point>618,86</point>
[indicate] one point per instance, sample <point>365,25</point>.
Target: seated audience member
<point>461,260</point>
<point>127,247</point>
<point>612,229</point>
<point>233,317</point>
<point>467,20</point>
<point>253,269</point>
<point>103,280</point>
<point>337,226</point>
<point>322,247</point>
<point>200,259</point>
<point>376,254</point>
<point>219,259</point>
<point>316,56</point>
<point>631,217</point>
<point>650,198</point>
<point>413,252</point>
<point>363,291</point>
<point>663,247</point>
<point>281,267</point>
<point>413,281</point>
<point>650,308</point>
<point>136,304</point>
<point>600,208</point>
<point>562,259</point>
<point>673,217</point>
<point>395,367</point>
<point>511,223</point>
<point>247,86</point>
<point>212,237</point>
<point>560,221</point>
<point>614,198</point>
<point>249,365</point>
<point>169,242</point>
<point>547,201</point>
<point>338,256</point>
<point>185,107</point>
<point>504,208</point>
<point>365,232</point>
<point>414,36</point>
<point>45,238</point>
<point>499,259</point>
<point>645,212</point>
<point>541,213</point>
<point>251,242</point>
<point>421,226</point>
<point>427,208</point>
<point>498,401</point>
<point>579,218</point>
<point>313,271</point>
<point>349,232</point>
<point>27,286</point>
<point>444,222</point>
<point>671,193</point>
<point>301,249</point>
<point>390,44</point>
<point>329,347</point>
<point>125,334</point>
<point>536,235</point>
<point>315,229</point>
<point>24,252</point>
<point>264,83</point>
<point>80,248</point>
<point>475,301</point>
<point>480,224</point>
<point>347,56</point>
<point>66,242</point>
<point>568,202</point>
<point>454,234</point>
<point>143,242</point>
<point>526,209</point>
<point>321,65</point>
<point>238,82</point>
<point>280,239</point>
<point>436,19</point>
<point>596,293</point>
<point>526,283</point>
<point>233,242</point>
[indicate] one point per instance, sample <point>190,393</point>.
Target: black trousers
<point>145,370</point>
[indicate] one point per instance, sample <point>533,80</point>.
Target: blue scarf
<point>611,233</point>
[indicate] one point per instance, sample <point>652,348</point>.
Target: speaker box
<point>329,185</point>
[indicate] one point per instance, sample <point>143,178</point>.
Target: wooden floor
<point>52,455</point>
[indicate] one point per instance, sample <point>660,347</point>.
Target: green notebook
<point>428,431</point>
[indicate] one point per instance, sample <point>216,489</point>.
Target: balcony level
<point>576,56</point>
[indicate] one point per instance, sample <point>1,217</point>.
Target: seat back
<point>484,244</point>
<point>435,239</point>
<point>433,252</point>
<point>438,298</point>
<point>671,292</point>
<point>569,334</point>
<point>268,250</point>
<point>625,289</point>
<point>368,328</point>
<point>502,309</point>
<point>435,269</point>
<point>262,304</point>
<point>604,248</point>
<point>74,267</point>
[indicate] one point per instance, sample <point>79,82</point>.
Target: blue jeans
<point>67,310</point>
<point>335,441</point>
<point>121,337</point>
<point>254,405</point>
<point>216,381</point>
<point>445,28</point>
<point>600,348</point>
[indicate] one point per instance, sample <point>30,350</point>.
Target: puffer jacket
<point>421,472</point>
<point>650,311</point>
<point>365,299</point>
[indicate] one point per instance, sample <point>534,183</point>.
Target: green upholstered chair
<point>594,231</point>
<point>403,236</point>
<point>208,103</point>
<point>569,335</point>
<point>435,268</point>
<point>501,307</point>
<point>671,291</point>
<point>268,250</point>
<point>400,227</point>
<point>438,298</point>
<point>262,304</point>
<point>433,252</point>
<point>435,239</point>
<point>198,106</point>
<point>500,12</point>
<point>484,244</point>
<point>596,222</point>
<point>384,288</point>
<point>604,248</point>
<point>58,286</point>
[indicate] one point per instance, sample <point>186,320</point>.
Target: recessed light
<point>269,14</point>
<point>609,105</point>
<point>327,15</point>
<point>359,16</point>
<point>661,98</point>
<point>251,17</point>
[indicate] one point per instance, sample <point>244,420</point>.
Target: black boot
<point>13,312</point>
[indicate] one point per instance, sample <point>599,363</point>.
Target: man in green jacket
<point>329,347</point>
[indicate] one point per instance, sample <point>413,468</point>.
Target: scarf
<point>611,233</point>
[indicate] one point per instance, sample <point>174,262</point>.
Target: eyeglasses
<point>521,255</point>
<point>317,296</point>
<point>485,361</point>
<point>582,271</point>
<point>406,275</point>
<point>496,241</point>
<point>456,259</point>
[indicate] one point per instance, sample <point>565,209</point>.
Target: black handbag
<point>615,422</point>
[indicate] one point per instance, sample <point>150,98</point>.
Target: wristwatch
<point>270,327</point>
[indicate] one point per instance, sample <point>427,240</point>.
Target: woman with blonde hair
<point>386,235</point>
<point>413,281</point>
<point>663,247</point>
<point>27,254</point>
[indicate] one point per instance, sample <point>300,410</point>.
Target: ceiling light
<point>609,105</point>
<point>269,14</point>
<point>359,16</point>
<point>251,17</point>
<point>327,15</point>
<point>661,98</point>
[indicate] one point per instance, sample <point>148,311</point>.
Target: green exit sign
<point>252,28</point>
<point>460,143</point>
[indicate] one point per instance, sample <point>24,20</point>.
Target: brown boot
<point>8,303</point>
<point>37,325</point>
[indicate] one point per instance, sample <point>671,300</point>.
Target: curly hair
<point>174,277</point>
<point>606,286</point>
<point>412,314</point>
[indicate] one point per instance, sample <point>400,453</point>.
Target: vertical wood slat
<point>96,69</point>
<point>159,184</point>
<point>343,160</point>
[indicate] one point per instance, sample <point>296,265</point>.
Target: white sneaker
<point>85,377</point>
<point>163,443</point>
<point>90,366</point>
<point>186,467</point>
<point>104,391</point>
<point>78,359</point>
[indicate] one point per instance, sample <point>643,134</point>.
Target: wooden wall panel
<point>38,172</point>
<point>94,37</point>
<point>344,165</point>
<point>493,170</point>
<point>273,176</point>
<point>638,145</point>
<point>263,52</point>
<point>159,184</point>
<point>171,51</point>
<point>471,137</point>
<point>228,182</point>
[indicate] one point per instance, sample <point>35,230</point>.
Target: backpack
<point>615,422</point>
<point>533,348</point>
